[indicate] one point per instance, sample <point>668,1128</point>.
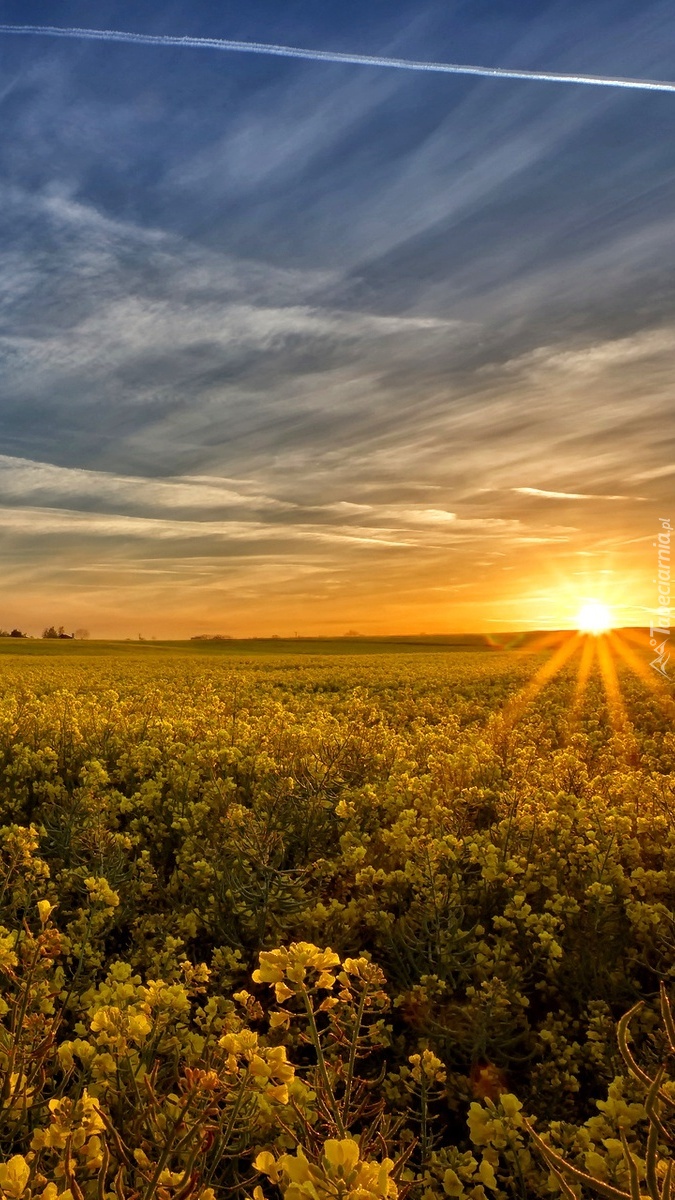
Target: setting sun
<point>594,617</point>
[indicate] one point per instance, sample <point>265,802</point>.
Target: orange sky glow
<point>313,347</point>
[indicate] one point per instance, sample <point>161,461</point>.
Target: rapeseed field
<point>364,926</point>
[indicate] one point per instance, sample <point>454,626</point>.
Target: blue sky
<point>300,345</point>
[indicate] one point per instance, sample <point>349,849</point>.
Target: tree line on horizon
<point>50,632</point>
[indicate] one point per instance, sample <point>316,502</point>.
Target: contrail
<point>359,60</point>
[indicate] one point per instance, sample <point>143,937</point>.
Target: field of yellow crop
<point>326,927</point>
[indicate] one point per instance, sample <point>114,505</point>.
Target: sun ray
<point>546,640</point>
<point>638,637</point>
<point>615,704</point>
<point>651,645</point>
<point>640,668</point>
<point>515,707</point>
<point>585,666</point>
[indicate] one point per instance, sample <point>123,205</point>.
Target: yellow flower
<point>120,971</point>
<point>169,1178</point>
<point>342,1155</point>
<point>613,1147</point>
<point>102,1065</point>
<point>279,1066</point>
<point>45,909</point>
<point>107,1020</point>
<point>479,1124</point>
<point>65,1056</point>
<point>272,966</point>
<point>239,1043</point>
<point>296,1166</point>
<point>511,1105</point>
<point>452,1184</point>
<point>90,1114</point>
<point>14,1176</point>
<point>428,1065</point>
<point>341,1172</point>
<point>101,892</point>
<point>139,1026</point>
<point>280,1020</point>
<point>328,1003</point>
<point>487,1175</point>
<point>8,958</point>
<point>325,980</point>
<point>258,1067</point>
<point>93,1153</point>
<point>292,965</point>
<point>596,1164</point>
<point>266,1163</point>
<point>321,960</point>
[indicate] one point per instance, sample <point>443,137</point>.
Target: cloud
<point>530,491</point>
<point>333,325</point>
<point>598,357</point>
<point>654,473</point>
<point>45,499</point>
<point>26,480</point>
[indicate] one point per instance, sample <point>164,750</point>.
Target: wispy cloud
<point>531,491</point>
<point>336,321</point>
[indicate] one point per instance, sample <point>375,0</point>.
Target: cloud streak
<point>292,341</point>
<point>332,56</point>
<point>530,491</point>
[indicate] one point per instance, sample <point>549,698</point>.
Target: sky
<point>297,346</point>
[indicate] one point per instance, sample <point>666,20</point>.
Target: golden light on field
<point>594,617</point>
<point>606,652</point>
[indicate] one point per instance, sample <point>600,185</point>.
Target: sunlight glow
<point>594,617</point>
<point>602,653</point>
<point>515,707</point>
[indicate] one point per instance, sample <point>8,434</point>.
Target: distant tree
<point>81,634</point>
<point>17,633</point>
<point>49,632</point>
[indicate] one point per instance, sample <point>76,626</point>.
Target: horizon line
<point>320,637</point>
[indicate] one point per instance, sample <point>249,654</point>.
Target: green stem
<point>321,1062</point>
<point>16,1030</point>
<point>168,1146</point>
<point>423,1129</point>
<point>224,1142</point>
<point>352,1055</point>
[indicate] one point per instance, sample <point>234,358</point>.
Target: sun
<point>594,617</point>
